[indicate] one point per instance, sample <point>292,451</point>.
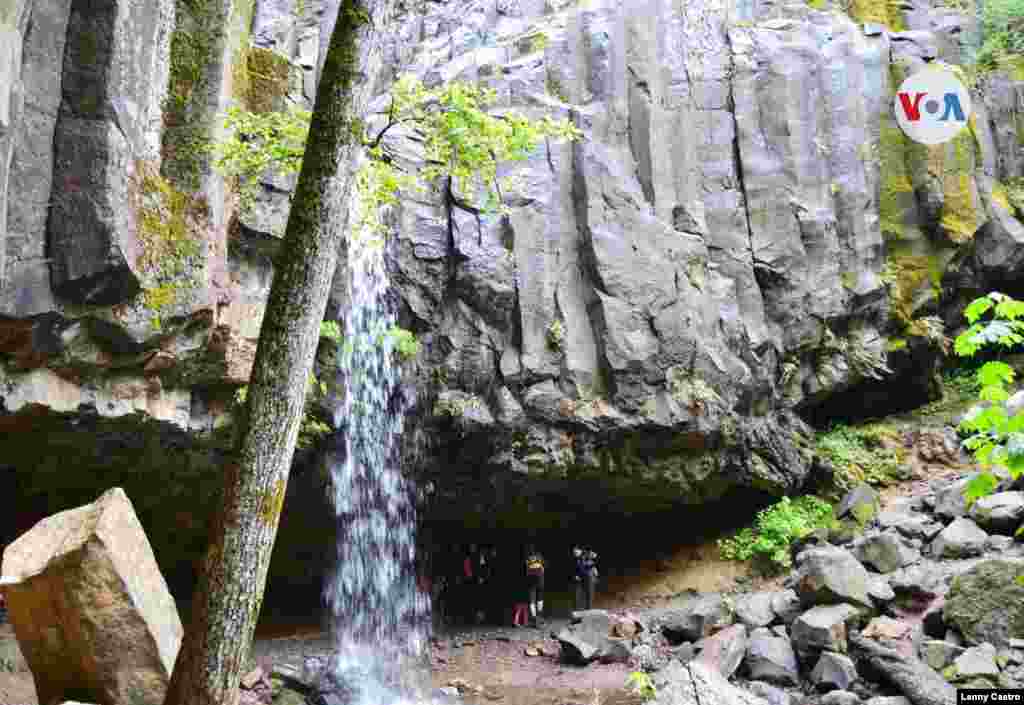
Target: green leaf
<point>977,308</point>
<point>981,485</point>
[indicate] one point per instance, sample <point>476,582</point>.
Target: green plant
<point>641,684</point>
<point>331,331</point>
<point>463,145</point>
<point>776,528</point>
<point>1002,25</point>
<point>555,335</point>
<point>404,342</point>
<point>868,453</point>
<point>995,438</point>
<point>258,142</point>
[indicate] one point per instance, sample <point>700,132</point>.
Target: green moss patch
<point>885,12</point>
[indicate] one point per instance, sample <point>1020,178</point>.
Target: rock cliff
<point>742,242</point>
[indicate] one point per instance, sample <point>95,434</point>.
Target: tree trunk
<point>231,583</point>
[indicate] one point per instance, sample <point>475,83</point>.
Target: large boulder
<point>919,683</point>
<point>961,539</point>
<point>950,501</point>
<point>696,619</point>
<point>886,552</point>
<point>986,603</point>
<point>698,684</point>
<point>589,638</point>
<point>833,672</point>
<point>724,650</point>
<point>861,503</point>
<point>755,609</point>
<point>831,575</point>
<point>999,513</point>
<point>822,628</point>
<point>911,525</point>
<point>771,658</point>
<point>91,611</point>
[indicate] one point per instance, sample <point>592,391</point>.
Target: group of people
<point>485,585</point>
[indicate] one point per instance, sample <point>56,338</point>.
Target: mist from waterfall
<point>379,619</point>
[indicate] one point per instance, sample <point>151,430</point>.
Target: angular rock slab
<point>698,684</point>
<point>831,575</point>
<point>91,611</point>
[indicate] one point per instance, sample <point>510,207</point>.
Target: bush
<point>860,454</point>
<point>1003,30</point>
<point>776,528</point>
<point>995,438</point>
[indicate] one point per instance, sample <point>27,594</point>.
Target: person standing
<point>535,580</point>
<point>589,569</point>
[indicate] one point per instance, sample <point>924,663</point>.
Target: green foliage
<point>555,335</point>
<point>1002,26</point>
<point>994,437</point>
<point>641,684</point>
<point>404,342</point>
<point>258,142</point>
<point>463,142</point>
<point>776,528</point>
<point>870,453</point>
<point>331,330</point>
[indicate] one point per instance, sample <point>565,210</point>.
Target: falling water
<point>379,618</point>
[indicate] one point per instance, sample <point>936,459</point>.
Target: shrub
<point>860,454</point>
<point>641,684</point>
<point>1002,26</point>
<point>994,438</point>
<point>776,528</point>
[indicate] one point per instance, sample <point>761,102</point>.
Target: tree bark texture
<point>233,575</point>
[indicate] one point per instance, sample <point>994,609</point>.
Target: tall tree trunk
<point>232,580</point>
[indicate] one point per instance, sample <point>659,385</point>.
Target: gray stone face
<point>109,91</point>
<point>822,629</point>
<point>695,619</point>
<point>914,526</point>
<point>833,672</point>
<point>961,539</point>
<point>755,610</point>
<point>886,552</point>
<point>771,658</point>
<point>829,575</point>
<point>986,604</point>
<point>725,649</point>
<point>977,661</point>
<point>999,513</point>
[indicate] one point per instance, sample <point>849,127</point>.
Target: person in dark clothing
<point>535,581</point>
<point>585,577</point>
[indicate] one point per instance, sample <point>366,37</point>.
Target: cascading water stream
<point>380,620</point>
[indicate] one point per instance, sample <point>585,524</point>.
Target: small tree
<point>994,437</point>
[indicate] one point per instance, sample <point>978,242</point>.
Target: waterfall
<point>379,619</point>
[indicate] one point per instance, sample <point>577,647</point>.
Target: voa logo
<point>932,106</point>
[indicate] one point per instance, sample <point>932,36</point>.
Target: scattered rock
<point>840,697</point>
<point>999,513</point>
<point>986,603</point>
<point>531,651</point>
<point>961,539</point>
<point>251,679</point>
<point>771,658</point>
<point>887,628</point>
<point>755,609</point>
<point>888,700</point>
<point>886,552</point>
<point>914,526</point>
<point>916,582</point>
<point>698,684</point>
<point>92,613</point>
<point>696,619</point>
<point>860,503</point>
<point>880,591</point>
<point>833,672</point>
<point>771,694</point>
<point>831,575</point>
<point>976,661</point>
<point>950,502</point>
<point>786,606</point>
<point>724,650</point>
<point>921,684</point>
<point>997,544</point>
<point>822,629</point>
<point>939,654</point>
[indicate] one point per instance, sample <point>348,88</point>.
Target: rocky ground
<point>912,595</point>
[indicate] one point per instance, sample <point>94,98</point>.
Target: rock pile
<point>923,601</point>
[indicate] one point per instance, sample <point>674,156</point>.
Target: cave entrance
<point>642,556</point>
